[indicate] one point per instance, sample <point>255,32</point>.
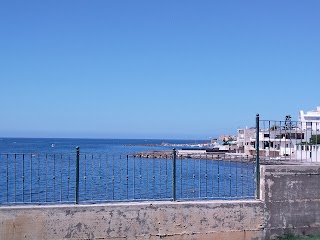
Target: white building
<point>299,140</point>
<point>246,140</point>
<point>273,142</point>
<point>279,142</point>
<point>308,153</point>
<point>310,120</point>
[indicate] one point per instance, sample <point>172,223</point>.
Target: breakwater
<point>219,156</point>
<point>169,155</point>
<point>165,144</point>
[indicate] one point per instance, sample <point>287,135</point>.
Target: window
<point>300,136</point>
<point>292,135</point>
<point>312,118</point>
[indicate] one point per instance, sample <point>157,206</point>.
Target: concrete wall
<point>165,220</point>
<point>291,195</point>
<point>289,204</point>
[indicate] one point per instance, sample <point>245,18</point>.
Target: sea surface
<point>88,146</point>
<point>44,170</point>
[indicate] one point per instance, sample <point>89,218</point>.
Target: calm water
<point>44,170</point>
<point>91,146</point>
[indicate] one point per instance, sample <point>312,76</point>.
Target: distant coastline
<point>165,144</point>
<point>216,156</point>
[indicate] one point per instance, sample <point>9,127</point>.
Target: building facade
<point>246,140</point>
<point>310,120</point>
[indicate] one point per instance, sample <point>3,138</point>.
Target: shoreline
<point>164,144</point>
<point>220,156</point>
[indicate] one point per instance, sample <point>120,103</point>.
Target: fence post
<point>174,198</point>
<point>257,158</point>
<point>77,174</point>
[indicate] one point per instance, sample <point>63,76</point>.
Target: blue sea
<point>88,146</point>
<point>44,170</point>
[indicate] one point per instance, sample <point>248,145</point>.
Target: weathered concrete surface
<point>292,199</point>
<point>165,220</point>
<point>290,204</point>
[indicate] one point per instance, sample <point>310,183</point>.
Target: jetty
<point>222,156</point>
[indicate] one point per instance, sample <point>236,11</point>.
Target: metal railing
<point>27,178</point>
<point>80,178</point>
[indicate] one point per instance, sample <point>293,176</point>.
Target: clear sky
<point>155,69</point>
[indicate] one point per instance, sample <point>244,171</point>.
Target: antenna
<point>288,126</point>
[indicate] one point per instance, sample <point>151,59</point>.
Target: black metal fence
<point>80,178</point>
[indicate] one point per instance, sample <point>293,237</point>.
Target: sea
<point>48,170</point>
<point>88,146</point>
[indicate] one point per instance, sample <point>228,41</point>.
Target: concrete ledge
<point>152,220</point>
<point>290,204</point>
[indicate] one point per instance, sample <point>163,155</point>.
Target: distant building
<point>309,153</point>
<point>272,141</point>
<point>246,140</point>
<point>280,141</point>
<point>297,140</point>
<point>310,120</point>
<point>227,138</point>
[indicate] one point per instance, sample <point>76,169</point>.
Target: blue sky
<point>155,69</point>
